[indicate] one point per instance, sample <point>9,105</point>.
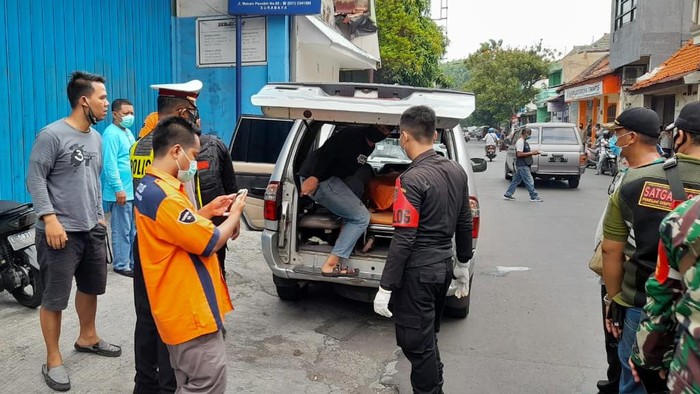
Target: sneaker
<point>536,199</point>
<point>508,198</point>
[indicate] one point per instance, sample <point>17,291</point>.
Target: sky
<point>560,24</point>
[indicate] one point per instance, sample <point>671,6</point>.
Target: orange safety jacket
<point>185,286</point>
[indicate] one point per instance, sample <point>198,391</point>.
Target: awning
<point>314,33</point>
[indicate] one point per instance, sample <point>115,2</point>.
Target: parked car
<point>563,155</point>
<point>297,234</point>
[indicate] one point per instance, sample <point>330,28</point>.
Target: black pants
<point>614,367</point>
<point>154,375</point>
<point>417,308</point>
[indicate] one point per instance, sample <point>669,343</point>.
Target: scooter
<point>19,268</point>
<point>491,152</point>
<point>591,157</point>
<point>609,162</point>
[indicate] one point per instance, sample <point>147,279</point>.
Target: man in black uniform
<point>431,206</point>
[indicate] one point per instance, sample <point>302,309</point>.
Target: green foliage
<point>503,79</point>
<point>411,44</point>
<point>456,74</point>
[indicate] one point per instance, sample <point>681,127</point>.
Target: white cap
<point>188,90</point>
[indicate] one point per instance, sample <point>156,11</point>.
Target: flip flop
<point>369,245</point>
<point>338,272</point>
<point>56,378</point>
<point>101,348</point>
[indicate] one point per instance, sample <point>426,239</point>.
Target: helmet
<point>491,130</point>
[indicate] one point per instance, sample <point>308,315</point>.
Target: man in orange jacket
<point>177,245</point>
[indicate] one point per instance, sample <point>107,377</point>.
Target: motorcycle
<point>491,152</point>
<point>19,268</point>
<point>609,162</point>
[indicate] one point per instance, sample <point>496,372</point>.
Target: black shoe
<point>125,272</point>
<point>605,387</point>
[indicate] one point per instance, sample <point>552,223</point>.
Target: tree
<point>503,79</point>
<point>455,74</point>
<point>410,43</point>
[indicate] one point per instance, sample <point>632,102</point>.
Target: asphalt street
<point>530,331</point>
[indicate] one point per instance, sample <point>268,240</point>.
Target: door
<point>256,144</point>
<point>562,151</point>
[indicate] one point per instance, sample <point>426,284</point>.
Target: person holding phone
<point>177,246</point>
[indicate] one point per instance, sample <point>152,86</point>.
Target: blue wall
<point>43,41</point>
<point>217,100</point>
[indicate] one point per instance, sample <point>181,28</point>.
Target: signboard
<point>585,91</point>
<point>216,41</point>
<point>273,7</point>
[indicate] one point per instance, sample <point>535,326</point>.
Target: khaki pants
<point>200,364</point>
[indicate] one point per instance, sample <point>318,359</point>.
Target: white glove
<point>461,273</point>
<point>381,302</point>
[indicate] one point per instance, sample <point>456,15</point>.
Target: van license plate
<point>558,160</point>
<point>21,240</point>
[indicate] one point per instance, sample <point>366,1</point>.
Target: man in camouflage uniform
<point>673,292</point>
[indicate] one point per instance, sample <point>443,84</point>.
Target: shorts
<point>84,257</point>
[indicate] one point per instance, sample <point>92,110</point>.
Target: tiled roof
<point>681,63</point>
<point>602,45</point>
<point>599,69</point>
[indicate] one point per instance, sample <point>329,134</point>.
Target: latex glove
<point>461,275</point>
<point>381,302</point>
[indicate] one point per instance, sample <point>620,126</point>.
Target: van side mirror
<point>479,165</point>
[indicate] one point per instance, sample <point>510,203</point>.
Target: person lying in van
<point>335,176</point>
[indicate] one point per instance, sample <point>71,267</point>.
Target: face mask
<point>616,150</point>
<point>186,175</point>
<point>402,146</point>
<point>127,121</point>
<point>527,137</point>
<point>89,114</point>
<point>375,135</point>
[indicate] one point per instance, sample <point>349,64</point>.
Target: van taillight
<point>476,213</point>
<point>272,197</point>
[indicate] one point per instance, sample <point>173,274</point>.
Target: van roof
<point>550,124</point>
<point>360,103</point>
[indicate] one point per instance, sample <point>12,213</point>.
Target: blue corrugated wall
<point>43,41</point>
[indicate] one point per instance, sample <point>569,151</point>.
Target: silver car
<point>562,157</point>
<point>297,234</point>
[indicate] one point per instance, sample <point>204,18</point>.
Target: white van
<point>297,234</point>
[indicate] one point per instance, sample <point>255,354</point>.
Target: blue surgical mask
<point>185,176</point>
<point>612,144</point>
<point>127,121</point>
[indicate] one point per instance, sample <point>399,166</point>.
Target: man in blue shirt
<point>117,184</point>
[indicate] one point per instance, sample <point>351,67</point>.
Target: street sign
<point>274,7</point>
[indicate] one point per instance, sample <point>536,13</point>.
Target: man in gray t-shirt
<point>64,182</point>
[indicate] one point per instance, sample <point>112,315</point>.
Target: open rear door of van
<point>255,146</point>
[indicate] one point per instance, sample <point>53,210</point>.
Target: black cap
<point>689,118</point>
<point>637,119</point>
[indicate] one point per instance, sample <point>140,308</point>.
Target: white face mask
<point>186,175</point>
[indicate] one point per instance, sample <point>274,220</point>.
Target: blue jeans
<point>522,174</point>
<point>624,351</point>
<point>123,231</point>
<point>337,197</point>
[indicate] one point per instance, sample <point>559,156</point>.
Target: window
<point>559,136</point>
<point>696,12</point>
<point>259,140</point>
<point>625,12</point>
<point>611,113</point>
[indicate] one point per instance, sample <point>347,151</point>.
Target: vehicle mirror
<point>479,165</point>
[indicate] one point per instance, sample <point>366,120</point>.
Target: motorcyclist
<point>601,144</point>
<point>491,139</point>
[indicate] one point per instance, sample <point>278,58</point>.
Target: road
<point>535,331</point>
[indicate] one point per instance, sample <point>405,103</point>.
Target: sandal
<point>369,245</point>
<point>101,348</point>
<point>338,272</point>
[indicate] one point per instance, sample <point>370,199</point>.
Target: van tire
<point>508,176</point>
<point>288,289</point>
<point>454,307</point>
<point>574,181</point>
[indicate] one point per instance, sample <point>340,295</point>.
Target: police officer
<point>431,206</point>
<point>153,371</point>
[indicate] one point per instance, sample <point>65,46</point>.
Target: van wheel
<point>288,289</point>
<point>508,176</point>
<point>573,182</point>
<point>459,308</point>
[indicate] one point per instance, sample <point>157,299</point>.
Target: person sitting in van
<point>335,176</point>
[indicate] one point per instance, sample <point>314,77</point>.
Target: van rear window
<point>559,135</point>
<point>259,140</point>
